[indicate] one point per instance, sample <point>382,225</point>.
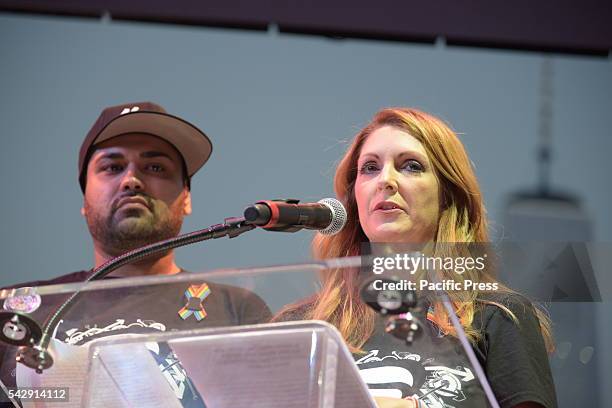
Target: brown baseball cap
<point>147,117</point>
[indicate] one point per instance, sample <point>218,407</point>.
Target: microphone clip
<point>285,228</point>
<point>257,212</point>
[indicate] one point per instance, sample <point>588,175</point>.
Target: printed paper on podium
<point>274,365</point>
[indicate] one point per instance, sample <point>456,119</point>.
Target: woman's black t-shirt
<point>435,368</point>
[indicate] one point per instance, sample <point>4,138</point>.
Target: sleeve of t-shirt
<point>517,365</point>
<point>253,309</point>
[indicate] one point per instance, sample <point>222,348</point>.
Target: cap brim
<point>191,142</point>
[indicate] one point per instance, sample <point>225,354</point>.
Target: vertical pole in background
<point>547,215</point>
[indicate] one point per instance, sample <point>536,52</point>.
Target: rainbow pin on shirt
<point>195,294</point>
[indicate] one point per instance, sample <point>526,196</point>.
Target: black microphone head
<point>338,216</point>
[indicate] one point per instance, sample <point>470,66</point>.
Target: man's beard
<point>136,227</point>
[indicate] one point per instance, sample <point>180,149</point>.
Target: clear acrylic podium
<point>275,365</point>
<point>151,341</point>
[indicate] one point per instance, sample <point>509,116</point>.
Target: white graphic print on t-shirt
<point>390,375</point>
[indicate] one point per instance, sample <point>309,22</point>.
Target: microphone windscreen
<point>338,216</point>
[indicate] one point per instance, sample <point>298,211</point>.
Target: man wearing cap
<point>135,167</point>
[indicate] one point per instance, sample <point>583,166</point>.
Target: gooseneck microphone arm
<point>39,358</point>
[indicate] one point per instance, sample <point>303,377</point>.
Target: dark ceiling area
<point>556,26</point>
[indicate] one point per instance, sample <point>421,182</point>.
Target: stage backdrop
<point>279,109</point>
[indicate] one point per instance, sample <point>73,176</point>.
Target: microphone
<point>328,216</point>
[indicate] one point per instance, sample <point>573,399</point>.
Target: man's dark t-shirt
<point>149,309</point>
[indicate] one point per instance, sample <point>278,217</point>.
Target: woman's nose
<point>387,178</point>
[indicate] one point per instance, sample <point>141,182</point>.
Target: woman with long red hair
<point>406,178</point>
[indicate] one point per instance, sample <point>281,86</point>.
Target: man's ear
<point>187,202</point>
<point>83,209</point>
